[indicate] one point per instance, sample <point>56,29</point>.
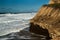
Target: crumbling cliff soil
<point>47,20</point>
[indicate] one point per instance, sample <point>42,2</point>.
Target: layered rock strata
<point>48,20</point>
<point>54,1</point>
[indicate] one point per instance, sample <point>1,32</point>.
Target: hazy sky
<point>21,5</point>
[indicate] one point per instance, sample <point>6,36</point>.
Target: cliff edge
<point>47,20</point>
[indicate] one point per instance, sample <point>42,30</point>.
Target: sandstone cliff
<point>54,1</point>
<point>48,18</point>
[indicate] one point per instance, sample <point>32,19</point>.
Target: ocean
<point>16,26</point>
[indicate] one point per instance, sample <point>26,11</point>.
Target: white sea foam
<point>5,32</point>
<point>14,22</point>
<point>9,21</point>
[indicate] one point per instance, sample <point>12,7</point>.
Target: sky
<point>21,5</point>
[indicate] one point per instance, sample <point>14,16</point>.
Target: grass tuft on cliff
<point>57,5</point>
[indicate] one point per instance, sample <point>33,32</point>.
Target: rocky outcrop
<point>54,1</point>
<point>34,28</point>
<point>47,18</point>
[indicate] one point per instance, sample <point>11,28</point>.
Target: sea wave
<point>11,31</point>
<point>23,34</point>
<point>10,23</point>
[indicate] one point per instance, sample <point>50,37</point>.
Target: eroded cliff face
<point>48,17</point>
<point>54,1</point>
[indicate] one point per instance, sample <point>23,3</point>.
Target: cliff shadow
<point>34,28</point>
